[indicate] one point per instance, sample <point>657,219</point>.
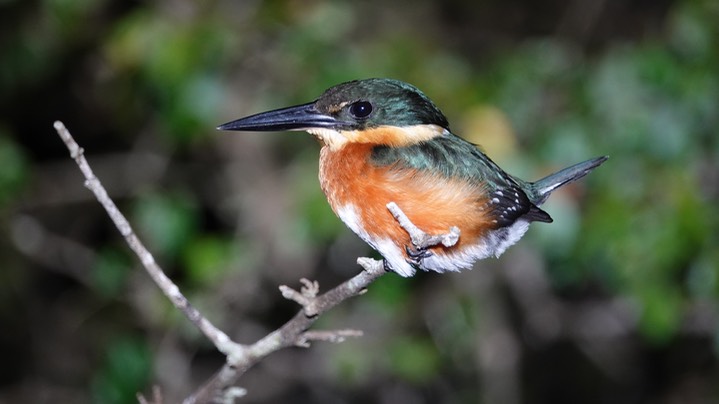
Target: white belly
<point>494,244</point>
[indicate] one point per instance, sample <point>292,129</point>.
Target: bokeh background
<point>615,302</point>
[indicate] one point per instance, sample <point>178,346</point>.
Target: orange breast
<point>431,202</point>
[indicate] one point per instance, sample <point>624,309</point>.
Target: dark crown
<point>368,103</point>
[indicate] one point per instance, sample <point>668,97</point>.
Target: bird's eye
<point>361,109</point>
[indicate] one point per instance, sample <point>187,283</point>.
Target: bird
<point>382,141</point>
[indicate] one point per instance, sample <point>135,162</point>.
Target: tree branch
<point>240,357</point>
<point>293,332</point>
<point>221,341</point>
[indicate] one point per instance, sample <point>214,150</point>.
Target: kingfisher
<point>384,141</point>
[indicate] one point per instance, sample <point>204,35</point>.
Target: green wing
<point>449,156</point>
<point>453,157</point>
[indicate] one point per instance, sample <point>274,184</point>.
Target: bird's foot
<point>416,255</point>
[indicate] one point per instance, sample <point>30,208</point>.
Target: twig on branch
<point>420,239</point>
<point>335,336</point>
<point>305,297</point>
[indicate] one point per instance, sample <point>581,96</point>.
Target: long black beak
<point>299,117</point>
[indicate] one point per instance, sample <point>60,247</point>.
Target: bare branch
<point>420,239</point>
<point>335,336</point>
<point>240,358</point>
<point>221,341</point>
<point>292,333</point>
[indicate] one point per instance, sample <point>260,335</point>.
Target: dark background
<point>615,302</point>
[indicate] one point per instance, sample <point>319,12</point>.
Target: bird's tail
<point>543,187</point>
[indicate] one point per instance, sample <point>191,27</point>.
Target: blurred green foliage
<point>176,63</point>
<point>167,222</point>
<point>125,371</point>
<point>111,272</point>
<point>414,359</point>
<point>206,259</point>
<point>231,216</point>
<point>15,171</point>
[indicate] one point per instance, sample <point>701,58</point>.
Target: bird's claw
<point>416,255</point>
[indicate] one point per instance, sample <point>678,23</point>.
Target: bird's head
<point>376,111</point>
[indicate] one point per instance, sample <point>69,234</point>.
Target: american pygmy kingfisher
<point>385,141</point>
